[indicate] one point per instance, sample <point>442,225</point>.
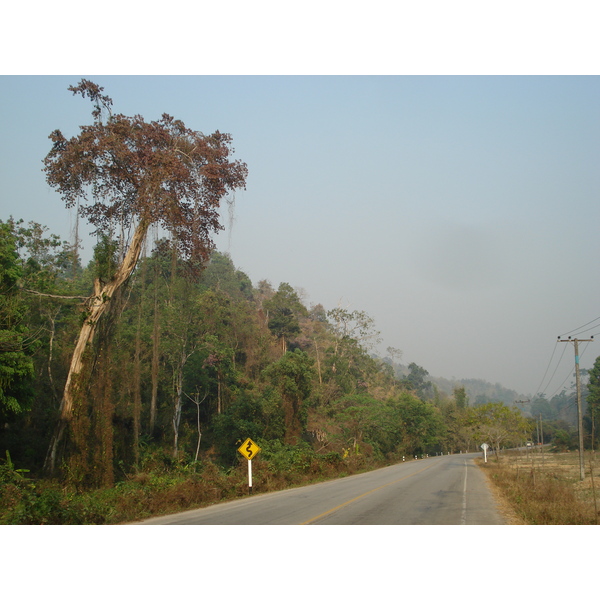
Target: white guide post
<point>484,447</point>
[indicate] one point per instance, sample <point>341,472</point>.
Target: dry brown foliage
<point>545,489</point>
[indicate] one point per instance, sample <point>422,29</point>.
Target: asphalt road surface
<point>441,490</point>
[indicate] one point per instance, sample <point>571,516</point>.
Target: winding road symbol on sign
<point>249,449</point>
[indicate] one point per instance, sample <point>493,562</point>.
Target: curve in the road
<point>446,490</point>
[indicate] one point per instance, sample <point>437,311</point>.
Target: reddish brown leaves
<point>126,170</point>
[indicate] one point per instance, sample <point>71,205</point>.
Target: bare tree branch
<point>57,296</point>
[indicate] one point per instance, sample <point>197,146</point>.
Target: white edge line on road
<point>463,519</point>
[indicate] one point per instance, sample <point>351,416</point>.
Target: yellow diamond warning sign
<point>249,449</point>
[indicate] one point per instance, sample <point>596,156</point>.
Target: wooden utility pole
<point>541,438</point>
<point>579,411</point>
<point>524,402</point>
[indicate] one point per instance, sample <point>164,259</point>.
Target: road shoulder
<point>504,507</point>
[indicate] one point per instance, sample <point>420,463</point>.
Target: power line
<point>562,385</point>
<point>581,327</point>
<point>570,374</point>
<point>546,372</point>
<point>585,347</point>
<point>562,356</point>
<point>556,369</point>
<point>588,329</point>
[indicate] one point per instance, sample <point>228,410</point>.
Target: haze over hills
<point>558,407</point>
<point>478,391</point>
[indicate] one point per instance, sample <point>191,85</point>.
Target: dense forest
<point>160,356</point>
<point>194,361</point>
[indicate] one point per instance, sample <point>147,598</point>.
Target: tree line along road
<point>441,490</point>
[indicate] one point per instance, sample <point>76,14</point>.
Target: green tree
<point>292,376</point>
<point>284,311</point>
<point>126,171</point>
<point>221,274</point>
<point>51,286</point>
<point>415,380</point>
<point>420,423</point>
<point>360,418</point>
<point>593,398</point>
<point>564,406</point>
<point>457,435</point>
<point>180,342</point>
<point>348,364</point>
<point>499,425</point>
<point>16,364</point>
<point>356,325</point>
<point>461,398</point>
<point>541,406</point>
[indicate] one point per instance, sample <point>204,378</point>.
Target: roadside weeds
<point>535,489</point>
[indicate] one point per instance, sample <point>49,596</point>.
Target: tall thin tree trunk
<point>155,347</point>
<point>199,428</point>
<point>219,407</point>
<point>155,358</point>
<point>318,363</point>
<point>50,353</point>
<point>137,388</point>
<point>100,304</point>
<point>178,404</point>
<point>75,263</point>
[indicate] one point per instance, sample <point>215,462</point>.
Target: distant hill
<point>479,391</point>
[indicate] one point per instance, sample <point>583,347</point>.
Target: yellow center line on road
<point>331,510</point>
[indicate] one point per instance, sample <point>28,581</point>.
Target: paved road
<point>443,490</point>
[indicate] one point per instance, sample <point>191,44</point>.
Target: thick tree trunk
<point>99,305</point>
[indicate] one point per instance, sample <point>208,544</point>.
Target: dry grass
<point>545,489</point>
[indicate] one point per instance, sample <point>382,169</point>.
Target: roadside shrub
<point>286,459</point>
<point>171,486</point>
<point>564,441</point>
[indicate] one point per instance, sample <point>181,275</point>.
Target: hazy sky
<point>461,213</point>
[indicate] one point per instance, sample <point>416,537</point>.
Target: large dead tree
<point>127,172</point>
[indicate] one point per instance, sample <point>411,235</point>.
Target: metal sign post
<point>250,476</point>
<point>249,450</point>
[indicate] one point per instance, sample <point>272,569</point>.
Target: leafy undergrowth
<point>161,489</point>
<point>546,490</point>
